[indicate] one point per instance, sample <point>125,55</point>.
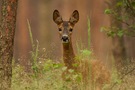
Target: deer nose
<point>65,38</point>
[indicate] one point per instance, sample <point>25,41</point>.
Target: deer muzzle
<point>65,39</point>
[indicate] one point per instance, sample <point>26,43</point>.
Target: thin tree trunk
<point>118,51</point>
<point>7,32</point>
<point>118,48</point>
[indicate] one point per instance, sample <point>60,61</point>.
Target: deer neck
<point>68,55</point>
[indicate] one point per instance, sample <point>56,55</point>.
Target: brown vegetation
<point>94,73</point>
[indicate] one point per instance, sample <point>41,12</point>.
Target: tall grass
<point>89,36</point>
<point>34,52</point>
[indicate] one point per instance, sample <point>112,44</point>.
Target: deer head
<point>65,27</point>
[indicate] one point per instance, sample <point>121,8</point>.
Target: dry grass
<point>94,74</point>
<point>49,73</point>
<point>126,78</point>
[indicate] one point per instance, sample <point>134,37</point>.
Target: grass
<point>45,74</point>
<point>89,42</point>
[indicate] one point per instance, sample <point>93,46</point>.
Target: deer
<point>100,74</point>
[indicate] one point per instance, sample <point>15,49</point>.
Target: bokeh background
<point>39,13</point>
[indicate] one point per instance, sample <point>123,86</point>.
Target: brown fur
<point>68,55</point>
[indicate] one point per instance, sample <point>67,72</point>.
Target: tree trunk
<point>118,51</point>
<point>7,32</point>
<point>118,48</point>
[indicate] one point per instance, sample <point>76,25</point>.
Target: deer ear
<point>57,17</point>
<point>74,17</point>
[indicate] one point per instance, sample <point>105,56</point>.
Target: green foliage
<point>133,4</point>
<point>108,11</point>
<point>72,75</point>
<point>114,31</point>
<point>27,81</point>
<point>50,65</point>
<point>119,3</point>
<point>123,11</point>
<point>120,33</point>
<point>84,54</point>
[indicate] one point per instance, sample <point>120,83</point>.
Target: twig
<point>115,83</point>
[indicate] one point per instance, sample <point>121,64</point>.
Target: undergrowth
<point>45,74</point>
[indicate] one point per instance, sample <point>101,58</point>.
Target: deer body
<point>65,32</point>
<point>99,74</point>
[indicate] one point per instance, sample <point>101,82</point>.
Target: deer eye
<point>70,30</point>
<point>60,29</point>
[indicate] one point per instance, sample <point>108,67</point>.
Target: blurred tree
<point>116,32</point>
<point>7,32</point>
<point>122,14</point>
<point>123,11</point>
<point>118,49</point>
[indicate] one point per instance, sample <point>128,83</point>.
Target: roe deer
<point>99,74</point>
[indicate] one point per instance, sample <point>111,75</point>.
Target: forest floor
<point>45,74</point>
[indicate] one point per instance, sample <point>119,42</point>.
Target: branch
<point>115,83</point>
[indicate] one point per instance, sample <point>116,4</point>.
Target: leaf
<point>120,33</point>
<point>120,3</point>
<point>133,4</point>
<point>86,52</point>
<point>64,68</point>
<point>104,29</point>
<point>108,11</point>
<point>55,66</point>
<point>111,33</point>
<point>71,70</point>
